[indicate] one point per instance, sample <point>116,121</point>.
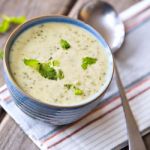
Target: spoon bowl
<point>103,17</point>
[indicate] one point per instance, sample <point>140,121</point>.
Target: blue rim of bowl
<point>58,19</point>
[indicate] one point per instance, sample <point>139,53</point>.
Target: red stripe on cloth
<point>127,92</point>
<point>3,90</point>
<point>7,98</point>
<point>76,131</point>
<point>138,20</point>
<point>101,106</point>
<point>139,13</point>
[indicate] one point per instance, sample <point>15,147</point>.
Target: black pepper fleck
<point>50,58</point>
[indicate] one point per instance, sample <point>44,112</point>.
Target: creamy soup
<point>58,63</point>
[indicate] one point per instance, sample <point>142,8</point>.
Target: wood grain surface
<point>11,136</point>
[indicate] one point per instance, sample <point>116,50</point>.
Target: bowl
<point>54,114</point>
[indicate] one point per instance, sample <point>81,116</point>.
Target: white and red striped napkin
<point>104,128</point>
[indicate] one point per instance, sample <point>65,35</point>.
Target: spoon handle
<point>134,136</point>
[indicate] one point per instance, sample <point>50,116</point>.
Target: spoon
<point>105,20</point>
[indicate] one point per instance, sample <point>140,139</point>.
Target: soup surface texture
<point>58,63</point>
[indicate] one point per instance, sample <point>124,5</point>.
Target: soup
<point>58,63</point>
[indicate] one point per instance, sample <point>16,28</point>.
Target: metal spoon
<point>105,19</point>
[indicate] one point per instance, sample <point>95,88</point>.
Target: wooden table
<point>11,136</point>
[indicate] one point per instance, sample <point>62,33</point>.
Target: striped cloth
<point>104,128</point>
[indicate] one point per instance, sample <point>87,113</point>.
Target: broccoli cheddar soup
<point>58,63</point>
